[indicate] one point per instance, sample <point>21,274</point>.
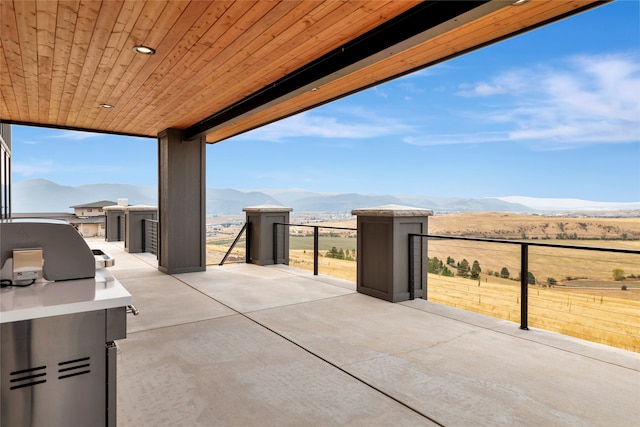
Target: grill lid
<point>65,253</point>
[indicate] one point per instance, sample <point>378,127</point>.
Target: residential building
<point>90,218</point>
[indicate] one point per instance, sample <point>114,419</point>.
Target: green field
<point>302,242</point>
<point>324,242</point>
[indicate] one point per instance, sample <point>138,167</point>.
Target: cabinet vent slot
<point>68,362</point>
<point>27,377</point>
<point>73,368</point>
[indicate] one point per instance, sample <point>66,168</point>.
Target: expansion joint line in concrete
<point>317,356</point>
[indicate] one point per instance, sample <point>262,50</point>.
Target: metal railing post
<point>275,243</point>
<point>235,241</point>
<point>524,262</point>
<point>524,286</point>
<point>144,235</point>
<point>412,282</point>
<point>248,243</point>
<point>316,250</point>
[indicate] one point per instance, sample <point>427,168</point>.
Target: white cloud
<point>46,168</point>
<point>456,138</point>
<point>278,176</point>
<point>481,89</point>
<point>75,135</point>
<point>557,105</point>
<point>380,92</point>
<point>355,123</point>
<point>411,88</point>
<point>32,168</point>
<point>512,83</point>
<point>591,99</point>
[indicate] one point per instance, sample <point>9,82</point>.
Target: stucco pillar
<point>114,223</point>
<point>260,238</point>
<point>383,251</point>
<point>181,203</point>
<point>134,235</point>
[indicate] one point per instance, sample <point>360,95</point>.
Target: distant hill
<point>226,201</point>
<point>547,204</point>
<point>342,202</point>
<point>41,195</point>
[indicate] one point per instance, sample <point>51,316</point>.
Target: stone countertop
<point>44,299</point>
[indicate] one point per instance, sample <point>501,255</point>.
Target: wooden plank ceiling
<point>224,67</point>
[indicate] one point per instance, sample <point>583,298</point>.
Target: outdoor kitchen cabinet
<point>58,355</point>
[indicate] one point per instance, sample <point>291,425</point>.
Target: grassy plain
<point>509,225</point>
<point>567,267</point>
<point>600,317</point>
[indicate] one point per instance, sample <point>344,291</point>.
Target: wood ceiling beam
<point>411,27</point>
<point>223,68</point>
<point>474,30</point>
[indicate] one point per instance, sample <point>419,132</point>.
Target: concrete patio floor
<point>243,345</point>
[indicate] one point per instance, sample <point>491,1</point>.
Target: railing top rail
<point>319,226</point>
<point>527,242</point>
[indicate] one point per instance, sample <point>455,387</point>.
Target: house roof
<point>66,216</point>
<point>100,204</point>
<point>91,220</point>
<point>222,68</point>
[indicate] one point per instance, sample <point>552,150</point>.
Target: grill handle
<point>103,259</point>
<point>133,310</point>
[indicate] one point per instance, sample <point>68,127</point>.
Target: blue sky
<point>552,113</point>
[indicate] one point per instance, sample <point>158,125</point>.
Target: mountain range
<point>41,195</point>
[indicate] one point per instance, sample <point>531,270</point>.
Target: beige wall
<point>91,230</point>
<point>86,212</point>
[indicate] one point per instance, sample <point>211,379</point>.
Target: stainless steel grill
<point>57,354</point>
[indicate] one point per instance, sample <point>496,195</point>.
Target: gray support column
<point>383,251</point>
<point>261,238</point>
<point>181,202</point>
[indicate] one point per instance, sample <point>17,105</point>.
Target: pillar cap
<point>140,208</point>
<point>267,208</point>
<point>392,211</point>
<point>114,208</point>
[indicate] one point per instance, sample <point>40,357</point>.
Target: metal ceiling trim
<point>77,129</point>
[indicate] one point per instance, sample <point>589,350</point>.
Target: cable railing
<point>246,227</point>
<point>572,289</point>
<point>557,286</point>
<point>150,236</point>
<point>316,241</point>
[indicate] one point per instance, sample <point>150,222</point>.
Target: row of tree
<point>463,269</point>
<point>346,254</point>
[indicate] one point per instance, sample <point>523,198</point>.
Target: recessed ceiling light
<point>144,50</point>
<point>107,106</point>
<point>519,2</point>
